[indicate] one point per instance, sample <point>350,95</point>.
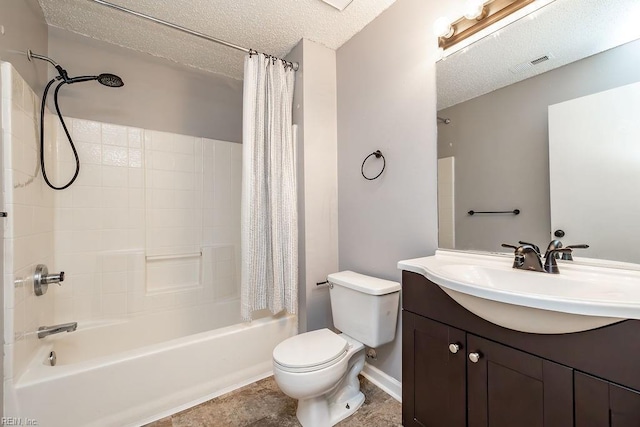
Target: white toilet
<point>320,368</point>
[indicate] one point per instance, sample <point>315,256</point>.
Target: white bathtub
<point>127,373</point>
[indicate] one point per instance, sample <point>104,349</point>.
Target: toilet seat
<point>310,351</point>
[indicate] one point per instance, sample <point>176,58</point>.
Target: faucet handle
<point>530,244</point>
<point>550,264</point>
<point>569,257</point>
<point>505,245</point>
<point>523,246</point>
<point>580,246</point>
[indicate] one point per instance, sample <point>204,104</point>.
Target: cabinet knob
<point>454,348</point>
<point>474,357</point>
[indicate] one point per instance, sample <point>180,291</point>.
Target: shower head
<point>110,80</point>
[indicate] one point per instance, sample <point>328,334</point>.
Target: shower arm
<point>63,73</point>
<point>31,55</point>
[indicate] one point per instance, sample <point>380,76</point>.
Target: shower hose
<point>66,131</point>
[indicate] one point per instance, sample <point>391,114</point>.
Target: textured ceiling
<point>569,30</point>
<point>269,26</point>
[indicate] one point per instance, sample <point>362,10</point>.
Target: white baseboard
<point>386,382</point>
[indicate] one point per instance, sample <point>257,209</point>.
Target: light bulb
<point>473,9</point>
<point>442,27</point>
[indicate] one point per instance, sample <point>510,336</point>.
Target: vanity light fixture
<point>478,14</point>
<point>442,28</point>
<point>475,9</point>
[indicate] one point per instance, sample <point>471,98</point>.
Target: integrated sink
<point>579,298</point>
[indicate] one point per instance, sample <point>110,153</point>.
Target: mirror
<point>493,126</point>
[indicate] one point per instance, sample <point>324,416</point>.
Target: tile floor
<point>262,404</point>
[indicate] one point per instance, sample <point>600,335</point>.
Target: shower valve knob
<point>42,279</point>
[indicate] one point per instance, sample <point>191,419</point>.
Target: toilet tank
<point>364,307</point>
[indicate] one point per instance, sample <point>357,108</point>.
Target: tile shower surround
<point>29,226</point>
<point>130,231</point>
<point>139,193</point>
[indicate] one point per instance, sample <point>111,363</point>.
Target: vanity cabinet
<point>507,387</point>
<point>601,403</point>
<point>437,379</point>
<point>450,376</point>
<point>461,371</point>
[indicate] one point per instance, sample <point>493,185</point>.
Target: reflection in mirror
<point>494,152</point>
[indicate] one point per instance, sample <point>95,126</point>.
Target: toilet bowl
<point>320,369</point>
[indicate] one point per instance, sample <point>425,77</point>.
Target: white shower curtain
<point>269,277</point>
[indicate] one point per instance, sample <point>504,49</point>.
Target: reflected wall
<point>500,145</point>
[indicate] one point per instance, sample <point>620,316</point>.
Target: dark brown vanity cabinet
<point>455,379</point>
<point>601,403</point>
<point>433,388</point>
<point>460,370</point>
<point>507,387</point>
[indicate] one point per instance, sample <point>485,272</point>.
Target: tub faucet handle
<point>42,279</point>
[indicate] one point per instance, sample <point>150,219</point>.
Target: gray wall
<point>158,94</point>
<point>500,144</point>
<point>297,55</point>
<point>315,113</point>
<point>24,28</point>
<point>386,101</point>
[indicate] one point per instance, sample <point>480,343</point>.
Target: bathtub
<point>131,372</point>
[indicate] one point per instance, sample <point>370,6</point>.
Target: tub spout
<point>45,331</point>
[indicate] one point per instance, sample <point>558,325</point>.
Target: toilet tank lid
<point>362,283</point>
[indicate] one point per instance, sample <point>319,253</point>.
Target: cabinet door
<point>433,378</point>
<point>508,387</point>
<point>599,403</point>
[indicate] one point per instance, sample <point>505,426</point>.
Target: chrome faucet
<point>45,331</point>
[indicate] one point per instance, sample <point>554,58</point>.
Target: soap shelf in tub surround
<point>210,267</point>
<point>175,256</point>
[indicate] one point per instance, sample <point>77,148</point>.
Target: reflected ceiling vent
<point>338,4</point>
<point>526,65</point>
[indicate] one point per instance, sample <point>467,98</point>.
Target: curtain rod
<point>294,65</point>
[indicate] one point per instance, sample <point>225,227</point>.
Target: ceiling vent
<point>529,64</point>
<point>338,4</point>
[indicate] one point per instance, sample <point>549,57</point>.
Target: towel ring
<point>378,154</point>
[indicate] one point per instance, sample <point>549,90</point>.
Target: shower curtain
<point>269,235</point>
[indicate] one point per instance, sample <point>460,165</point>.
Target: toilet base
<point>342,410</point>
<point>317,412</point>
<point>343,401</point>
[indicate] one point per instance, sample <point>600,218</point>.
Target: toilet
<point>320,368</point>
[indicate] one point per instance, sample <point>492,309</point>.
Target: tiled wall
<point>173,183</point>
<point>140,194</point>
<point>133,232</point>
<point>28,229</point>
